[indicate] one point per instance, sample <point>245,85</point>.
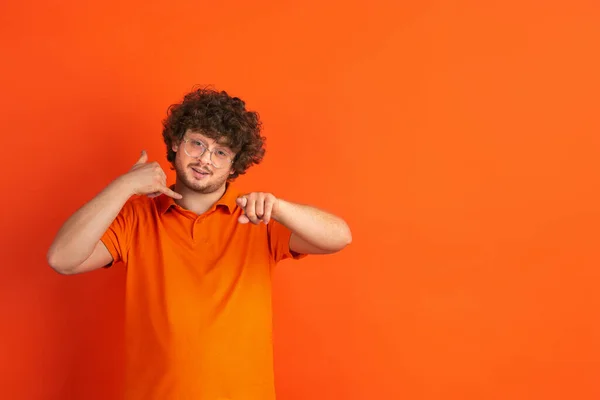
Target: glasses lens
<point>218,158</point>
<point>194,149</point>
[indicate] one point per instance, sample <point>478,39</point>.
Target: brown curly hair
<point>221,117</point>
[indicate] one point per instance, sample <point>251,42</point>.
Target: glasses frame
<point>185,142</point>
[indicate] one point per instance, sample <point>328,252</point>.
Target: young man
<point>199,255</point>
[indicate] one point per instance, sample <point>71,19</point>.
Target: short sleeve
<point>279,242</point>
<point>117,237</point>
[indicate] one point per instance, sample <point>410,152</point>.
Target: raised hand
<point>149,179</point>
<point>257,207</point>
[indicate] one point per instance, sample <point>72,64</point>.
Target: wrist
<point>123,187</point>
<point>279,211</point>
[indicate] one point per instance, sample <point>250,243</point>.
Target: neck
<point>196,202</point>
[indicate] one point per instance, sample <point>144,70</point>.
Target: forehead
<point>190,134</point>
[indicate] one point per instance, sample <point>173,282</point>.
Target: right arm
<point>77,246</point>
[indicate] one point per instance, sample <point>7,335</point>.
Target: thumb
<point>143,158</point>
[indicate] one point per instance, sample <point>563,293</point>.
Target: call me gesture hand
<point>148,179</point>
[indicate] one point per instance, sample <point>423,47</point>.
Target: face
<point>198,172</point>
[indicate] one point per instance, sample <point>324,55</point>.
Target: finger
<point>269,202</point>
<point>260,206</point>
<point>169,192</point>
<point>161,172</point>
<point>243,219</point>
<point>155,194</point>
<point>162,178</point>
<point>241,201</point>
<point>143,158</point>
<point>250,212</point>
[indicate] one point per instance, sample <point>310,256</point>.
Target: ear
<point>175,146</point>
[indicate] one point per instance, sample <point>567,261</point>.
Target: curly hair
<point>221,117</point>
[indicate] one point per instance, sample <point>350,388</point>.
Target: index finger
<point>242,201</point>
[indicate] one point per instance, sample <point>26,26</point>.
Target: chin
<point>207,185</point>
<point>204,189</point>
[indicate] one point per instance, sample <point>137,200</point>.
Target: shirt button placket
<point>196,236</point>
<point>200,234</point>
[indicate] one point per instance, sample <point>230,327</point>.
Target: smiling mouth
<point>200,171</point>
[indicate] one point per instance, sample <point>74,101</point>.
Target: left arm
<point>313,231</point>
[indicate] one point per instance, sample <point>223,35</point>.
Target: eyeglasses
<point>196,149</point>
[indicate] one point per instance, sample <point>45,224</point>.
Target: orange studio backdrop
<point>459,139</point>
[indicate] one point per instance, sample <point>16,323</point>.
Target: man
<point>198,255</point>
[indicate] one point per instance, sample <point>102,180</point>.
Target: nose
<point>205,157</point>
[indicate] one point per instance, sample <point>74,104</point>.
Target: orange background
<point>459,139</point>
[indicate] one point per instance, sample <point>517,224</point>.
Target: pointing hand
<point>257,207</point>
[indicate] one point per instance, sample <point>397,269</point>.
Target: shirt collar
<point>227,201</point>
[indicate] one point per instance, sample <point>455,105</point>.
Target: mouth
<point>200,173</point>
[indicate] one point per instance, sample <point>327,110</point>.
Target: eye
<point>222,154</point>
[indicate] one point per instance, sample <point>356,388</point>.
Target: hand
<point>148,179</point>
<point>258,207</point>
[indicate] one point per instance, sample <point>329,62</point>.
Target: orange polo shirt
<point>198,299</point>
